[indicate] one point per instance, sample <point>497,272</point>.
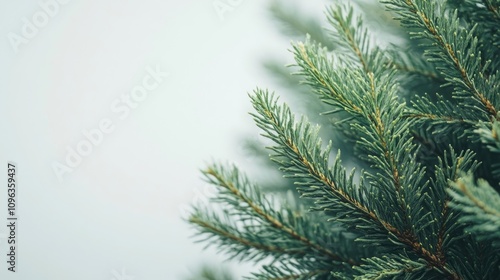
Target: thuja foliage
<point>423,119</point>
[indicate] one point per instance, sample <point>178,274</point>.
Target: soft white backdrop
<point>118,212</point>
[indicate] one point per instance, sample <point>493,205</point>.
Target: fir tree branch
<point>221,233</point>
<point>372,111</point>
<point>427,20</point>
<point>317,69</point>
<point>347,31</point>
<point>274,222</point>
<point>490,135</point>
<point>480,207</point>
<point>440,111</point>
<point>388,267</point>
<point>412,215</point>
<point>372,106</point>
<point>477,202</point>
<point>382,135</point>
<point>451,166</point>
<point>270,114</point>
<point>277,122</point>
<point>484,15</point>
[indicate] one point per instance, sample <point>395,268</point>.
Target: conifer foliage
<point>423,118</point>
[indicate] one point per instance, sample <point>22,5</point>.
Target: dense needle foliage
<point>423,120</point>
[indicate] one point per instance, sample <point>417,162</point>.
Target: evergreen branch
<point>413,214</point>
<point>380,130</point>
<point>277,122</point>
<point>319,69</point>
<point>274,119</point>
<point>243,244</point>
<point>484,14</point>
<point>440,111</point>
<point>451,165</point>
<point>220,180</point>
<point>390,268</point>
<point>484,207</point>
<point>226,234</point>
<point>349,34</point>
<point>479,204</point>
<point>424,18</point>
<point>359,44</point>
<point>370,109</point>
<point>372,105</point>
<point>490,135</point>
<point>382,134</point>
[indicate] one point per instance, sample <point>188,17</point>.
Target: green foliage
<point>480,205</point>
<point>423,119</point>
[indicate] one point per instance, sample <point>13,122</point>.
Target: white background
<point>118,212</point>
